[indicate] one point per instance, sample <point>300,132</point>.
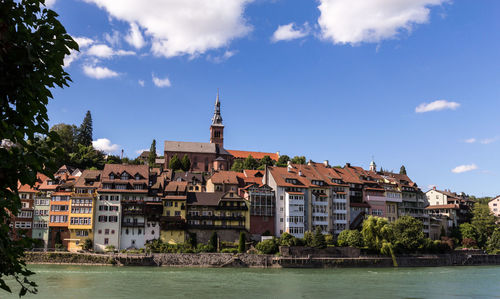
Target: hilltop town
<point>125,207</point>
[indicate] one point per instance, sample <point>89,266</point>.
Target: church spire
<point>217,118</point>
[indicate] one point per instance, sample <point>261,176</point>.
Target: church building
<point>209,156</point>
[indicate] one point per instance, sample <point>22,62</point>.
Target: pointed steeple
<point>217,118</point>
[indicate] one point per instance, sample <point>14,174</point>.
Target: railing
<point>216,217</point>
<point>132,224</point>
<point>211,226</point>
<point>133,212</point>
<point>233,208</point>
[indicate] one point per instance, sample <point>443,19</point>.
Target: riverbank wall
<point>219,260</point>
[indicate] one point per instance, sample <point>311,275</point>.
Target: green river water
<point>58,281</point>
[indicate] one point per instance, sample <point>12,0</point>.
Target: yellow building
<point>173,221</point>
<point>82,209</point>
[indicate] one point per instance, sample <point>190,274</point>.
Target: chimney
<point>289,166</point>
<point>300,173</point>
<point>326,163</point>
<point>347,164</point>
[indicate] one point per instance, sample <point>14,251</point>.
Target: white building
<point>494,206</point>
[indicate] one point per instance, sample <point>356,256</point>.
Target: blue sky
<point>413,82</point>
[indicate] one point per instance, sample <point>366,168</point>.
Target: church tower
<point>217,128</point>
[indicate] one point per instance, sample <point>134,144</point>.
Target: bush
<point>469,243</point>
<point>330,240</point>
<point>308,239</point>
<point>268,246</point>
<point>319,239</point>
<point>110,248</point>
<point>205,248</point>
<point>87,244</point>
<point>493,244</point>
<point>229,250</point>
<point>59,247</point>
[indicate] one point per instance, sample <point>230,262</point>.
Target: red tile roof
<point>437,207</point>
<point>255,155</point>
<point>225,177</point>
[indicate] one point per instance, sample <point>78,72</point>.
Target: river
<point>59,281</point>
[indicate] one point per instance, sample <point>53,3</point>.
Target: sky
<point>413,82</point>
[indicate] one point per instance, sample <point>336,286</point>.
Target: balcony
<point>211,226</point>
<point>83,195</point>
<point>214,217</point>
<point>132,224</point>
<point>232,208</point>
<point>320,203</point>
<point>133,212</point>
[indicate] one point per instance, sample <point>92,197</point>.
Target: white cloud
<point>104,51</point>
<point>83,41</point>
<point>134,37</point>
<point>105,145</point>
<point>489,140</point>
<point>141,83</point>
<point>288,32</point>
<point>352,22</point>
<point>141,150</point>
<point>113,39</point>
<point>218,59</point>
<point>464,168</point>
<point>68,59</point>
<point>436,106</point>
<point>183,27</point>
<point>50,3</point>
<point>165,82</point>
<point>98,72</point>
<point>470,140</point>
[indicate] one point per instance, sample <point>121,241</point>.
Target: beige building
<point>494,206</point>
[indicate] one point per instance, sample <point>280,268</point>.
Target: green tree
<point>175,163</point>
<point>33,45</point>
<point>237,165</point>
<point>250,163</point>
<point>468,231</point>
<point>493,244</point>
<point>408,234</point>
<point>85,130</point>
<point>152,154</point>
<point>241,242</point>
<point>214,241</point>
<point>484,222</point>
<point>186,163</point>
<point>87,157</point>
<point>330,240</point>
<point>68,135</point>
<point>113,159</point>
<point>266,161</point>
<point>376,231</point>
<point>319,239</point>
<point>402,170</point>
<point>267,246</point>
<point>283,161</point>
<point>352,238</point>
<point>87,244</point>
<point>308,238</point>
<point>299,160</point>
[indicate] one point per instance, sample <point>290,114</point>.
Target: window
<point>99,232</point>
<point>177,213</point>
<point>281,219</point>
<point>106,241</point>
<point>106,231</point>
<point>140,231</point>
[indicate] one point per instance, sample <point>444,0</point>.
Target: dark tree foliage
<point>266,161</point>
<point>33,44</point>
<point>250,163</point>
<point>112,159</point>
<point>408,234</point>
<point>185,163</point>
<point>484,222</point>
<point>214,240</point>
<point>241,243</point>
<point>152,154</point>
<point>237,165</point>
<point>299,160</point>
<point>319,240</point>
<point>402,170</point>
<point>175,163</point>
<point>85,130</point>
<point>283,161</point>
<point>86,157</point>
<point>68,135</point>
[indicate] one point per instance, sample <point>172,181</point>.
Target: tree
<point>283,161</point>
<point>376,231</point>
<point>152,154</point>
<point>493,244</point>
<point>308,238</point>
<point>185,163</point>
<point>68,135</point>
<point>352,238</point>
<point>250,163</point>
<point>266,161</point>
<point>468,231</point>
<point>299,160</point>
<point>408,234</point>
<point>33,45</point>
<point>237,165</point>
<point>267,246</point>
<point>402,170</point>
<point>113,159</point>
<point>241,243</point>
<point>175,163</point>
<point>484,222</point>
<point>319,239</point>
<point>85,130</point>
<point>87,244</point>
<point>87,157</point>
<point>214,241</point>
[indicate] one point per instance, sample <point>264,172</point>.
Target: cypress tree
<point>402,170</point>
<point>175,163</point>
<point>186,163</point>
<point>213,241</point>
<point>152,154</point>
<point>241,244</point>
<point>85,131</point>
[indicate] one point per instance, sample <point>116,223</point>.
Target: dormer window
<point>111,176</point>
<point>137,177</point>
<point>124,176</point>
